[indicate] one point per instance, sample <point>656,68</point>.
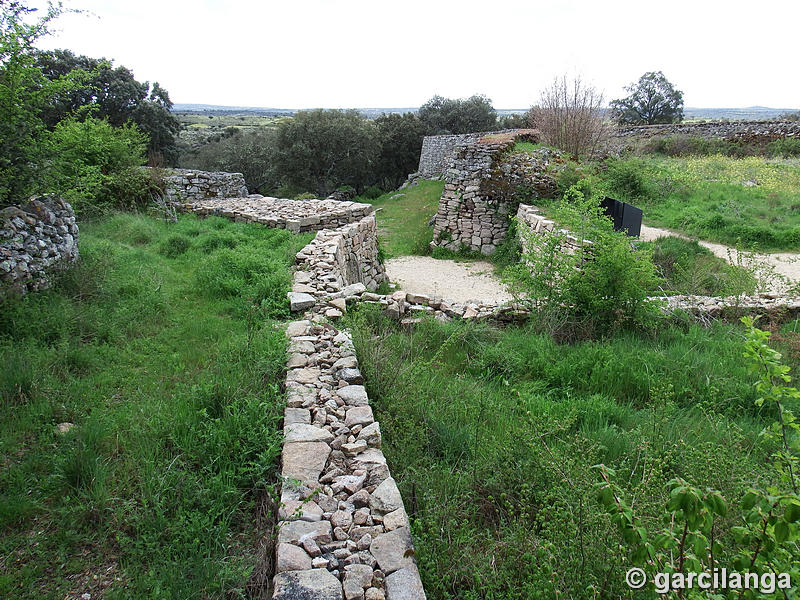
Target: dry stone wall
<point>480,184</point>
<point>188,185</point>
<point>343,531</point>
<point>295,215</point>
<point>437,152</point>
<point>750,132</point>
<point>36,239</point>
<point>340,260</point>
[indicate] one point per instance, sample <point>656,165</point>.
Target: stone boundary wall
<point>343,531</point>
<point>532,217</point>
<point>295,215</point>
<point>36,239</point>
<point>188,185</point>
<point>746,130</point>
<point>478,193</point>
<point>437,152</point>
<point>338,261</point>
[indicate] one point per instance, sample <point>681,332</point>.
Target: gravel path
<point>775,272</point>
<point>449,279</point>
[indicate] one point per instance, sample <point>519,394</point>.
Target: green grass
<point>492,434</point>
<point>160,348</point>
<point>689,268</point>
<point>403,228</point>
<point>750,202</point>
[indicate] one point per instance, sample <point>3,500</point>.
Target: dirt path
<point>775,272</point>
<point>449,279</point>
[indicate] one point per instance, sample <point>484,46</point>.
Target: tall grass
<point>492,435</point>
<point>160,348</point>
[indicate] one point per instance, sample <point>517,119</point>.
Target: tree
<point>321,150</point>
<point>400,138</point>
<point>652,99</point>
<point>251,153</point>
<point>447,115</point>
<point>569,116</point>
<point>24,94</point>
<point>111,93</point>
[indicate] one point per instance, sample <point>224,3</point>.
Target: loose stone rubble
<point>295,215</point>
<point>343,531</point>
<point>36,239</point>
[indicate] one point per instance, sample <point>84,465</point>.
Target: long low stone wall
<point>36,239</point>
<point>338,259</point>
<point>188,185</point>
<point>295,215</point>
<point>715,129</point>
<point>343,532</point>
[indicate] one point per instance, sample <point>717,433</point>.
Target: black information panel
<point>626,217</point>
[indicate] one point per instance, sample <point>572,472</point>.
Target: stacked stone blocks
<point>36,239</point>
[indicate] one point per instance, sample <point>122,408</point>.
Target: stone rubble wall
<point>759,132</point>
<point>437,152</point>
<point>298,216</point>
<point>538,224</point>
<point>36,239</point>
<point>189,185</point>
<point>343,532</point>
<point>480,184</point>
<point>338,259</point>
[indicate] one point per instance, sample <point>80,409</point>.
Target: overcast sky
<point>352,53</point>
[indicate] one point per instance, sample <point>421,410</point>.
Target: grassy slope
<point>403,221</point>
<point>492,435</point>
<point>750,201</point>
<point>159,348</point>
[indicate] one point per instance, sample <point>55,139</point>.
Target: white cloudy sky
<point>354,53</point>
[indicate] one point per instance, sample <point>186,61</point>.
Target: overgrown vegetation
<point>748,202</point>
<point>159,348</point>
<point>492,435</point>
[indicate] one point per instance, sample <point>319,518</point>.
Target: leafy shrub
<point>625,179</point>
<point>175,245</point>
<point>785,147</point>
<point>96,166</point>
<point>689,268</point>
<point>599,282</point>
<point>372,192</point>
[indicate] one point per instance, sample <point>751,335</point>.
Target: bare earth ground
<point>448,279</point>
<point>775,272</point>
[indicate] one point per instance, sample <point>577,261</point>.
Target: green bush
<point>96,165</point>
<point>372,192</point>
<point>591,287</point>
<point>625,179</point>
<point>175,245</point>
<point>786,147</point>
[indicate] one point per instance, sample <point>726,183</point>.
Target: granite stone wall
<point>437,152</point>
<point>295,215</point>
<point>36,239</point>
<point>751,132</point>
<point>482,181</point>
<point>338,259</point>
<point>188,185</point>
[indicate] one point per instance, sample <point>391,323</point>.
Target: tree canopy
<point>652,99</point>
<point>448,115</point>
<point>322,149</point>
<point>111,93</point>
